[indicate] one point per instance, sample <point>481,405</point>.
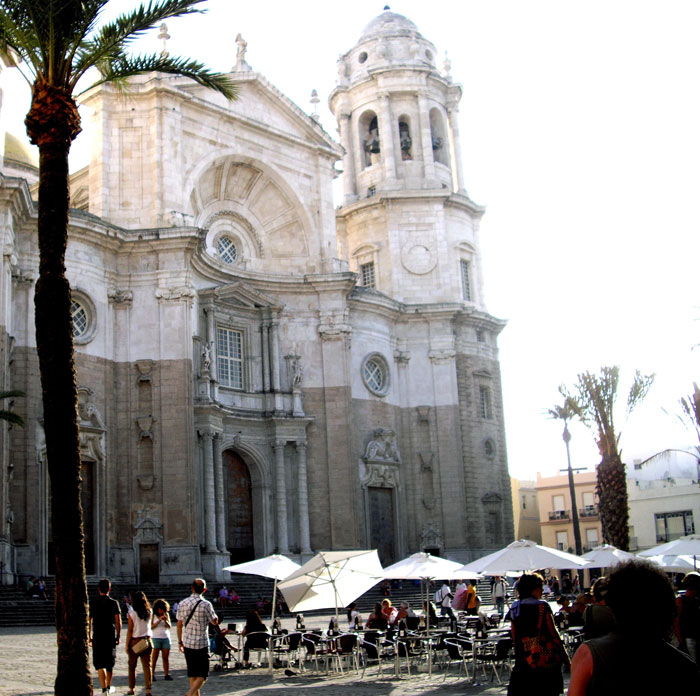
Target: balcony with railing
<point>588,511</point>
<point>559,515</point>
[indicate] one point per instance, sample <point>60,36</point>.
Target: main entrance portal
<point>239,505</point>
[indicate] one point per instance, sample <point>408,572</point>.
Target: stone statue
<point>206,357</point>
<point>382,446</point>
<point>298,374</point>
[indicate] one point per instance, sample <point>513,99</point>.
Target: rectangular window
<point>673,525</point>
<point>229,357</point>
<point>562,541</point>
<point>485,402</point>
<point>591,538</point>
<point>524,502</point>
<point>367,274</point>
<point>558,503</point>
<point>466,285</point>
<point>588,500</point>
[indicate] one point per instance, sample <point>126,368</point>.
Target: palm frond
<point>128,66</point>
<point>110,41</point>
<point>11,417</point>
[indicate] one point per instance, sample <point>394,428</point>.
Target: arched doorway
<point>239,508</point>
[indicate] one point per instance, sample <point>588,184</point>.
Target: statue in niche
<point>382,446</point>
<point>206,357</point>
<point>298,375</point>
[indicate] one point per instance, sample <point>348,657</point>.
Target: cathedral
<point>261,368</point>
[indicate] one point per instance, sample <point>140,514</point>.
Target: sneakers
<point>167,677</point>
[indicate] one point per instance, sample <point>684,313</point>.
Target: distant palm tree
<point>566,412</point>
<point>58,42</point>
<point>7,415</point>
<point>594,403</point>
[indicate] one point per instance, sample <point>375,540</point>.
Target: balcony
<point>560,515</point>
<point>588,511</point>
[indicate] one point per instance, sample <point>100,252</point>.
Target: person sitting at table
<point>532,623</point>
<point>389,612</point>
<point>598,618</point>
<point>354,617</point>
<point>376,619</point>
<point>429,610</point>
<point>404,612</point>
<point>253,624</point>
<point>635,658</point>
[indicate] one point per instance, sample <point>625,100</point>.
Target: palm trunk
<point>612,501</point>
<point>54,339</point>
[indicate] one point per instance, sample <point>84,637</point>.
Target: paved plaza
<point>28,668</point>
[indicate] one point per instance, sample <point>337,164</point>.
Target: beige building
<point>526,512</point>
<point>259,371</point>
<point>555,506</point>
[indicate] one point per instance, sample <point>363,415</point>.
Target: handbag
<point>541,651</point>
<point>141,645</point>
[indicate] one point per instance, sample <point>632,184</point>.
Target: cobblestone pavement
<point>28,668</point>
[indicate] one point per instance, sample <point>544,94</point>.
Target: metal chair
<point>347,646</point>
<point>285,648</point>
<point>258,642</point>
<point>459,650</point>
<point>376,650</point>
<point>315,650</point>
<point>494,654</point>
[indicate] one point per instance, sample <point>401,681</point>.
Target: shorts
<point>104,655</point>
<point>197,662</point>
<point>161,643</point>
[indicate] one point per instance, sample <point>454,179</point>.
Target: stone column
<point>455,150</point>
<point>209,491</point>
<point>220,497</point>
<point>275,355</point>
<point>386,137</point>
<point>426,137</point>
<point>349,181</point>
<point>304,536</point>
<point>266,357</point>
<point>282,538</point>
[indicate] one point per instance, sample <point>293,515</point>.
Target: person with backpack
<point>499,595</point>
<point>443,598</point>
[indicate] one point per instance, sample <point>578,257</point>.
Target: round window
<point>227,249</point>
<point>429,55</point>
<point>375,374</point>
<point>80,319</point>
<point>362,57</point>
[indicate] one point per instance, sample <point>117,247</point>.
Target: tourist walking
<point>104,631</point>
<point>539,651</point>
<point>499,595</point>
<point>138,640</point>
<point>194,614</point>
<point>160,623</point>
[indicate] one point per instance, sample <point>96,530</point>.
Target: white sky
<point>579,127</point>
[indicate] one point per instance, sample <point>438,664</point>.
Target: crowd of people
<point>637,634</point>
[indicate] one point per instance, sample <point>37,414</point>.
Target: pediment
<point>266,107</point>
<point>241,296</point>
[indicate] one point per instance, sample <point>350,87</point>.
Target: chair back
<point>258,640</point>
<point>370,644</point>
<point>412,623</point>
<point>378,623</point>
<point>347,642</point>
<point>503,647</point>
<point>310,641</point>
<point>294,640</point>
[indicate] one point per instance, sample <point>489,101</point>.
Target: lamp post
<point>566,436</point>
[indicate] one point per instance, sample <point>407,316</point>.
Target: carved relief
<point>174,294</point>
<point>431,536</point>
<point>334,325</point>
<point>440,357</point>
<point>92,428</point>
<point>121,297</point>
<point>382,446</point>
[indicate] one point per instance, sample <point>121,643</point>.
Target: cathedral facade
<point>258,370</point>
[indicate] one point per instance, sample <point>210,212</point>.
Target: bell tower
<point>406,224</point>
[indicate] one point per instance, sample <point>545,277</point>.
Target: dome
<point>389,24</point>
<point>20,152</point>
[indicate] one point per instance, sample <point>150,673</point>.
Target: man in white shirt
<point>446,601</point>
<point>194,615</point>
<point>499,594</point>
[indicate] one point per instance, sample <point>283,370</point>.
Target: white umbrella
<point>425,566</point>
<point>331,579</point>
<point>275,567</point>
<point>607,556</point>
<point>674,564</point>
<point>685,546</point>
<point>523,555</point>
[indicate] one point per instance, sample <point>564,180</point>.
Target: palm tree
<point>594,404</point>
<point>6,414</point>
<point>59,42</point>
<point>566,412</point>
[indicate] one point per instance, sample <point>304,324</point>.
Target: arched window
<point>405,141</point>
<point>369,138</point>
<point>438,136</point>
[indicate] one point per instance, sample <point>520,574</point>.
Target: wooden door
<point>239,506</point>
<point>381,522</point>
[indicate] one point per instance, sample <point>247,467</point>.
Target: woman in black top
<point>253,624</point>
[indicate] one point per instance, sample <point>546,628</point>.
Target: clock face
<point>418,258</point>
